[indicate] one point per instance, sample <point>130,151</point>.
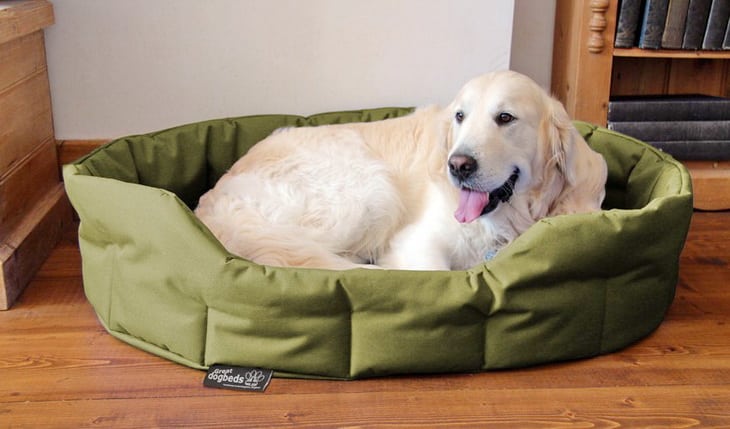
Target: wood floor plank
<point>68,378</point>
<point>696,406</point>
<point>60,368</point>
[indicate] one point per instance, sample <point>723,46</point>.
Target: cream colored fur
<point>379,193</point>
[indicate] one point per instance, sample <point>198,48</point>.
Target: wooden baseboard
<point>26,247</point>
<point>71,150</point>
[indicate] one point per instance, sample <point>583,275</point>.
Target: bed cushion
<point>570,287</point>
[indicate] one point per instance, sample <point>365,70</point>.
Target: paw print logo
<point>253,378</point>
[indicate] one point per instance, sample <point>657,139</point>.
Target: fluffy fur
<point>384,193</point>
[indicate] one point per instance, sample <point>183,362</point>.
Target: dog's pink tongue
<point>471,205</point>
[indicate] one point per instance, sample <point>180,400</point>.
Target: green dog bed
<point>570,287</point>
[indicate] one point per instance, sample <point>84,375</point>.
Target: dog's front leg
<point>418,246</point>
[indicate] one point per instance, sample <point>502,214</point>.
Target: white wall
<point>532,39</point>
<point>134,66</point>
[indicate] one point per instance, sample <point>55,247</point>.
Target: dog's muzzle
<point>473,202</point>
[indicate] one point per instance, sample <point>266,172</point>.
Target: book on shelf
<point>687,126</point>
<point>674,26</point>
<point>629,19</point>
<point>695,150</point>
<point>652,26</point>
<point>652,131</point>
<point>674,130</point>
<point>684,107</point>
<point>694,30</point>
<point>717,23</point>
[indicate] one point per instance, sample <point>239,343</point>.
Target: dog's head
<point>512,144</point>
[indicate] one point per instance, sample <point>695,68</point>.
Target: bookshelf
<point>668,53</point>
<point>587,70</point>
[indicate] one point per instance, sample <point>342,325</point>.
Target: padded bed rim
<point>525,307</point>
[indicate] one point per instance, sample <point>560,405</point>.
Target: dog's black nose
<point>462,166</point>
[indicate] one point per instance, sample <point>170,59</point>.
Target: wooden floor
<point>59,368</point>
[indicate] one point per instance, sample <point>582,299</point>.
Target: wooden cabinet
<point>587,70</point>
<point>33,207</point>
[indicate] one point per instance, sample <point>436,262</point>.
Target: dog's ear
<point>582,170</point>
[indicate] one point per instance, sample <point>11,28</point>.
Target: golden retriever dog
<point>439,189</point>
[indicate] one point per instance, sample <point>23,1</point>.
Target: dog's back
<point>327,197</point>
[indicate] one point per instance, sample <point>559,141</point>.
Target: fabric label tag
<point>238,378</point>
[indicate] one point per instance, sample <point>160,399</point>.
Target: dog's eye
<point>505,118</point>
<point>459,116</point>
